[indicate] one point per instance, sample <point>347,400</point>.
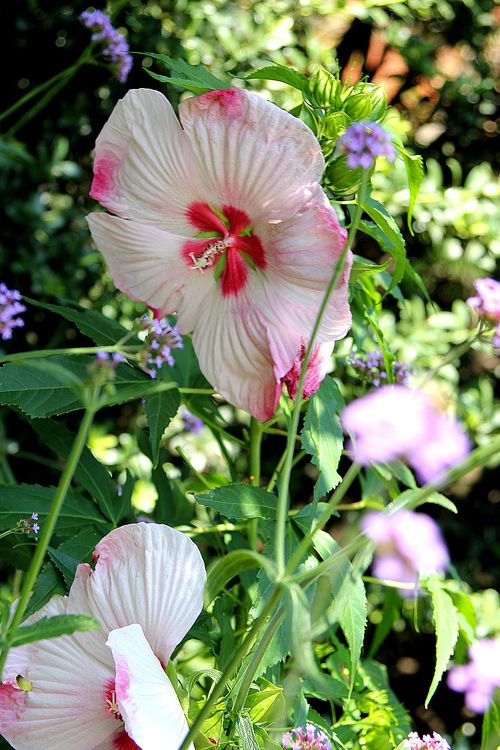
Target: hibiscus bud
<point>334,124</point>
<point>367,94</point>
<point>323,87</point>
<point>342,179</point>
<point>358,107</point>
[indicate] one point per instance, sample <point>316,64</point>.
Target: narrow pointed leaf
<point>53,627</point>
<point>445,618</point>
<point>160,408</point>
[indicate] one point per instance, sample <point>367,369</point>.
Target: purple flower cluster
<point>371,369</point>
<point>408,544</point>
<point>109,359</point>
<point>306,738</point>
<point>191,422</point>
<point>160,340</point>
<point>436,742</point>
<point>362,142</point>
<point>26,525</point>
<point>480,677</point>
<point>396,422</point>
<point>116,48</point>
<point>10,307</point>
<point>486,303</point>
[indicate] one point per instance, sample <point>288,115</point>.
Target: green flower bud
<point>358,107</point>
<point>334,124</point>
<point>341,179</point>
<point>377,98</point>
<point>322,87</point>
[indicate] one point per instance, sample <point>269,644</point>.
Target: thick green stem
<point>256,433</point>
<point>256,659</point>
<point>48,527</point>
<point>336,497</point>
<point>229,671</point>
<point>283,495</point>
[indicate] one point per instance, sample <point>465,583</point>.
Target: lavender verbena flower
<point>370,367</point>
<point>26,525</point>
<point>486,303</point>
<point>306,738</point>
<point>160,340</point>
<point>10,306</point>
<point>362,142</point>
<point>191,422</point>
<point>109,359</point>
<point>436,742</point>
<point>116,48</point>
<point>480,677</point>
<point>396,422</point>
<point>408,545</point>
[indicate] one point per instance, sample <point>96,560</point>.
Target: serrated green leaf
<point>414,165</point>
<point>322,435</point>
<point>265,703</point>
<point>246,735</point>
<point>394,244</point>
<point>89,472</point>
<point>193,78</point>
<point>160,408</point>
<point>222,571</point>
<point>66,564</point>
<point>362,267</point>
<point>279,73</point>
<point>53,627</point>
<point>19,501</point>
<point>240,501</point>
<point>48,584</point>
<point>102,330</point>
<point>445,618</point>
<point>491,728</point>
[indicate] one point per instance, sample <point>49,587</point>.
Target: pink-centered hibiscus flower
<point>107,689</point>
<point>220,218</point>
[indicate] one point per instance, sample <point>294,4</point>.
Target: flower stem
<point>49,525</point>
<point>229,671</point>
<point>283,495</point>
<point>256,433</point>
<point>336,497</point>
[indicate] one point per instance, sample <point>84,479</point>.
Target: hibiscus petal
<point>145,573</point>
<point>147,701</point>
<point>232,349</point>
<point>144,261</point>
<point>65,707</point>
<point>143,166</point>
<point>251,154</point>
<point>301,254</point>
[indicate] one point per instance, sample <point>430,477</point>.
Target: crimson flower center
<point>227,245</point>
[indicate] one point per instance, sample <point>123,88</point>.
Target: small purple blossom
<point>191,422</point>
<point>486,303</point>
<point>10,307</point>
<point>161,338</point>
<point>109,359</point>
<point>362,142</point>
<point>306,738</point>
<point>25,525</point>
<point>480,677</point>
<point>115,47</point>
<point>436,742</point>
<point>396,422</point>
<point>371,369</point>
<point>408,544</point>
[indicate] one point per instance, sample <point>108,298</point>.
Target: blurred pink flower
<point>408,545</point>
<point>107,689</point>
<point>486,303</point>
<point>223,221</point>
<point>480,677</point>
<point>396,422</point>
